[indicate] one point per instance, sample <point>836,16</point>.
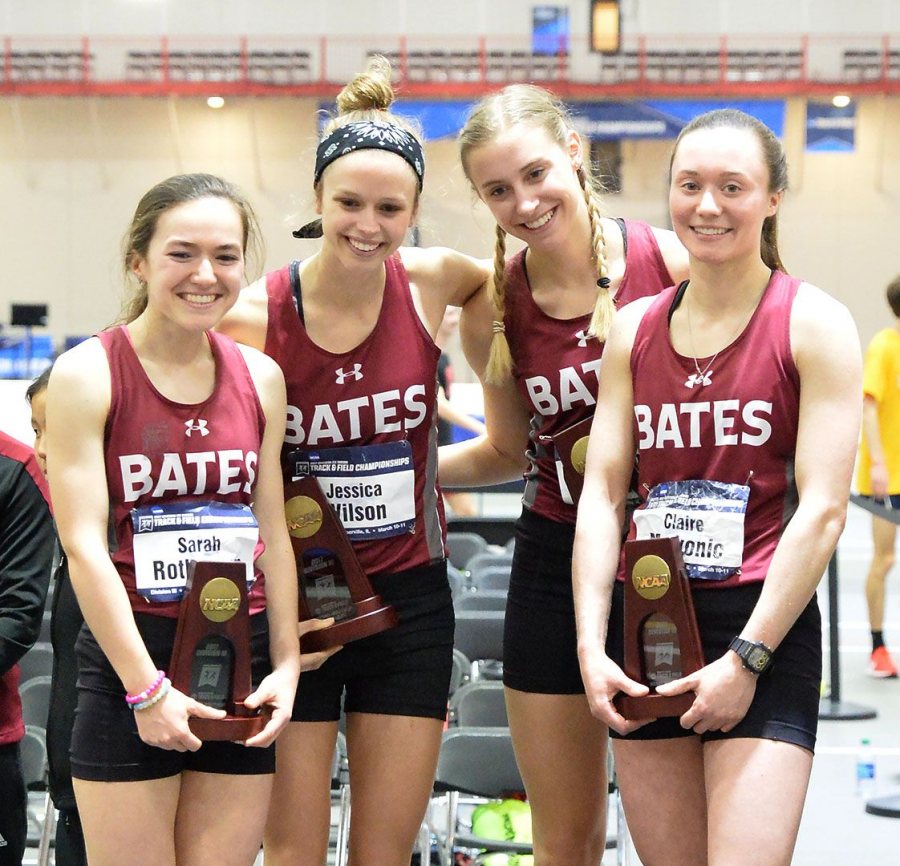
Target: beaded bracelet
<point>163,690</point>
<point>131,700</point>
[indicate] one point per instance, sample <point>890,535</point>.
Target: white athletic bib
<point>167,537</point>
<point>707,517</point>
<point>371,487</point>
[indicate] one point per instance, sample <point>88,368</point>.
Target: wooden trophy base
<point>211,655</point>
<point>659,617</point>
<point>324,554</point>
<point>652,706</point>
<point>372,616</point>
<point>231,728</point>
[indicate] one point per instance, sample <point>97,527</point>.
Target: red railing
<point>445,67</point>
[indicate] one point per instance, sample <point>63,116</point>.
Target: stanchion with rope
<point>832,707</point>
<point>886,807</point>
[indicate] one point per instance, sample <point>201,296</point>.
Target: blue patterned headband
<point>362,135</point>
<point>373,135</point>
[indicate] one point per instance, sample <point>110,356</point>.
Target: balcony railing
<point>436,66</point>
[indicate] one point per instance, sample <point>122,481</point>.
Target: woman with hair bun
<point>353,329</point>
<point>535,336</point>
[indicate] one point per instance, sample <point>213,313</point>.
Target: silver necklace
<point>703,377</point>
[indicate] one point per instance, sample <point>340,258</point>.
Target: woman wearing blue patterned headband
<point>353,329</point>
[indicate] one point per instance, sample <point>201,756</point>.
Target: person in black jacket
<point>26,555</point>
<point>65,623</point>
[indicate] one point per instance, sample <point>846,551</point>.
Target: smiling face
<point>367,199</point>
<point>720,194</point>
<point>194,263</point>
<point>529,183</point>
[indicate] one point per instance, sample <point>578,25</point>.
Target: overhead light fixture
<point>215,102</point>
<point>841,100</point>
<point>606,34</point>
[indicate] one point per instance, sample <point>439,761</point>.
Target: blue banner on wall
<point>663,119</point>
<point>549,30</point>
<point>596,120</point>
<point>829,128</point>
<point>438,119</point>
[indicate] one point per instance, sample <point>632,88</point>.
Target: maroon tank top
<point>164,458</point>
<point>364,422</point>
<point>736,424</point>
<point>556,367</point>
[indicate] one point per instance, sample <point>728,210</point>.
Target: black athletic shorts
<point>539,641</point>
<point>404,671</point>
<point>106,746</point>
<point>786,704</point>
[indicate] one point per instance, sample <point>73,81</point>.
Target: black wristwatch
<point>754,656</point>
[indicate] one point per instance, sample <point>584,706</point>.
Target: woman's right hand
<point>312,661</point>
<point>603,680</point>
<point>165,724</point>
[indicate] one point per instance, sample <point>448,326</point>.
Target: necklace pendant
<point>699,379</point>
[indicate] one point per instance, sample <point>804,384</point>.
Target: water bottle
<point>865,770</point>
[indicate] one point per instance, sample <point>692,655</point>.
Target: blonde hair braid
<point>499,364</point>
<point>604,308</point>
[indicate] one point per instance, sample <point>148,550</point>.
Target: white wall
<point>73,173</point>
<point>73,169</point>
<point>435,17</point>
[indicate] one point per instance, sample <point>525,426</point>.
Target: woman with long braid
<point>535,337</point>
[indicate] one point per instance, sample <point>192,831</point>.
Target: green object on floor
<point>504,820</point>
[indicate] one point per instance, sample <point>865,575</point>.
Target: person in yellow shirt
<point>878,470</point>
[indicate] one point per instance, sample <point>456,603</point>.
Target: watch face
<point>757,658</point>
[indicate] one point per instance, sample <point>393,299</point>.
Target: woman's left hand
<point>724,690</point>
<point>275,693</point>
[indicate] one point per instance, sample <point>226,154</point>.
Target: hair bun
<point>370,89</point>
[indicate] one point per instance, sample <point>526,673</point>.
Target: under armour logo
<point>355,374</point>
<point>698,380</point>
<point>196,425</point>
<point>583,337</point>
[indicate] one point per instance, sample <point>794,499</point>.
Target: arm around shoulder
<point>451,275</point>
<point>500,455</point>
<point>674,254</point>
<point>247,321</point>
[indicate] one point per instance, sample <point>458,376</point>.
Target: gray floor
<point>836,831</point>
<point>835,828</point>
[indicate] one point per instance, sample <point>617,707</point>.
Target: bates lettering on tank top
<point>557,366</point>
<point>158,451</point>
<point>735,424</point>
<point>382,391</point>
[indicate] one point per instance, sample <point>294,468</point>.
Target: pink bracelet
<point>161,692</point>
<point>139,698</point>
